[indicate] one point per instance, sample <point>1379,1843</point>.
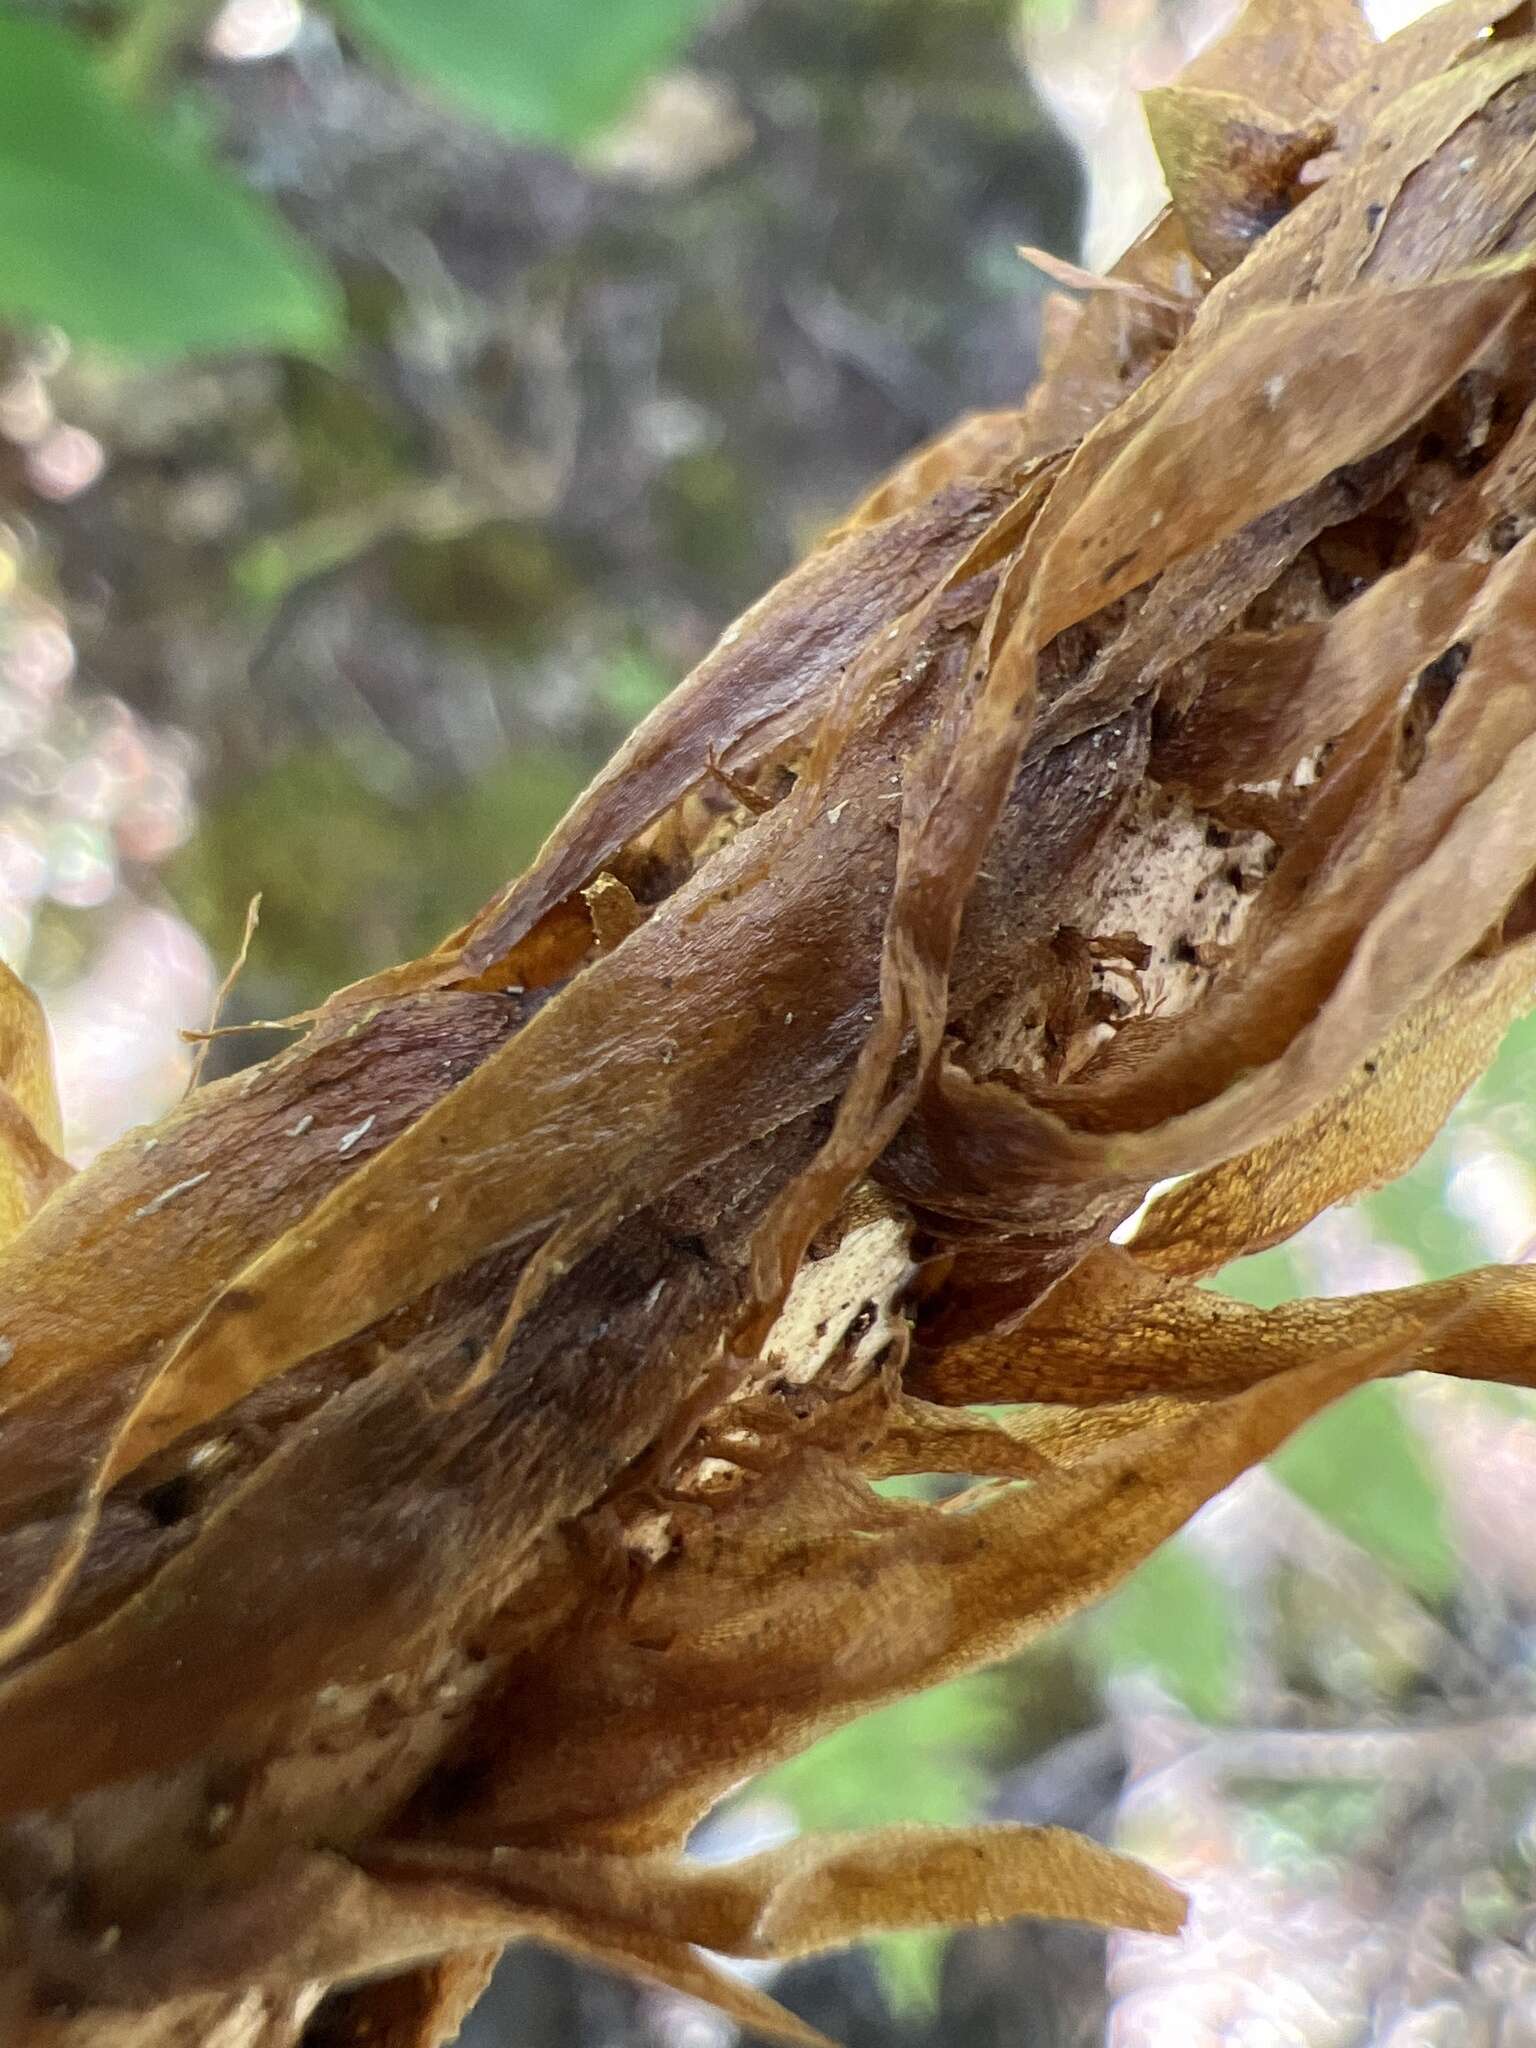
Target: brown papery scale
<point>435,1466</point>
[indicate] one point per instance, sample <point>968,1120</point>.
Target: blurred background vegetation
<point>442,376</point>
<point>396,398</point>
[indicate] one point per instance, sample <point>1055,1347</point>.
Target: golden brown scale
<point>436,1466</point>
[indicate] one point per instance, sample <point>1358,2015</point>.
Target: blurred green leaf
<point>1511,1075</point>
<point>120,234</point>
<point>909,1967</point>
<point>1264,1280</point>
<point>546,70</point>
<point>921,1759</point>
<point>1361,1465</point>
<point>1413,1212</point>
<point>1173,1618</point>
<point>633,686</point>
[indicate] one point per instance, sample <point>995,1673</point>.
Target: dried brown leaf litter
<point>435,1466</point>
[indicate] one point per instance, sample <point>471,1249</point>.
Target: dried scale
<point>434,1467</point>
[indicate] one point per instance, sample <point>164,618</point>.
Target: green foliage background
<point>118,224</point>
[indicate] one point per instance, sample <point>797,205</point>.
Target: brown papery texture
<point>437,1465</point>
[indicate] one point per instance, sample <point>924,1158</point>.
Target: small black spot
<point>1503,533</point>
<point>455,1787</point>
<point>1184,949</point>
<point>171,1501</point>
<point>1264,218</point>
<point>1440,677</point>
<point>1370,1066</point>
<point>58,2001</point>
<point>1120,563</point>
<point>1373,214</point>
